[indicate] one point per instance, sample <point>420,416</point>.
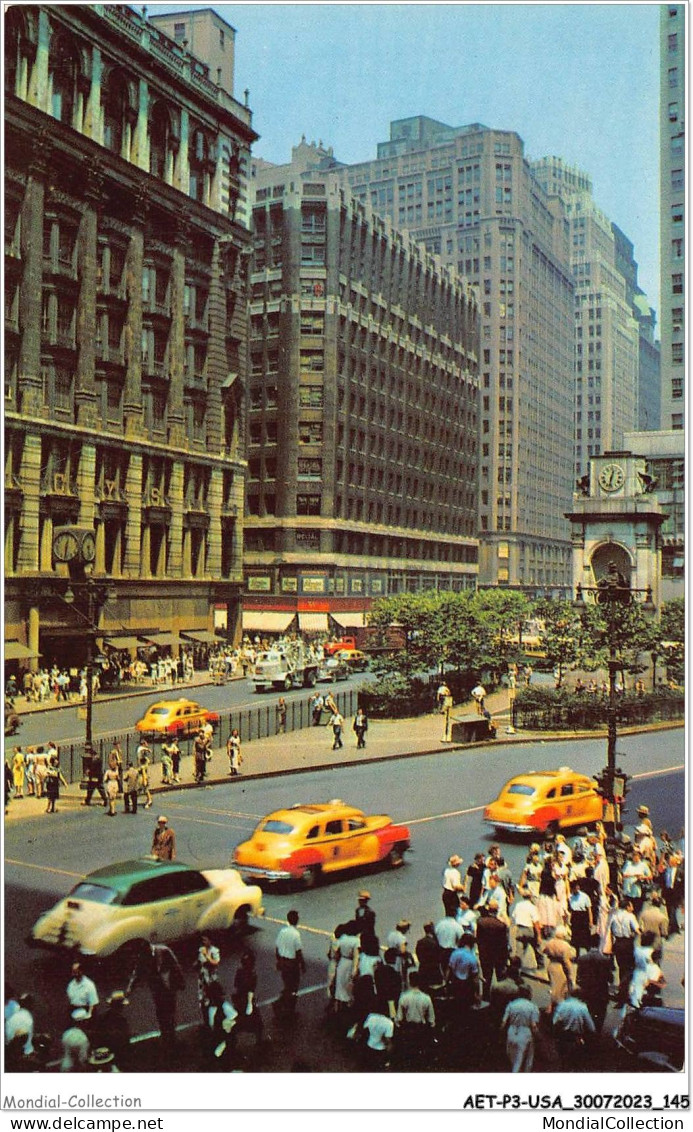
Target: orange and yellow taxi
<point>175,718</point>
<point>310,840</point>
<point>543,800</point>
<point>356,660</point>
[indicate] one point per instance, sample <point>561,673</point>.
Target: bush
<point>395,697</point>
<point>549,709</point>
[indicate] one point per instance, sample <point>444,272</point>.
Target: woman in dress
<point>559,955</point>
<point>581,922</point>
<point>233,750</point>
<point>143,763</point>
<point>110,785</point>
<point>531,874</point>
<point>347,961</point>
<point>547,904</point>
<point>208,960</point>
<point>54,777</point>
<point>18,768</point>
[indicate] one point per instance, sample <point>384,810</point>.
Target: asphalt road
<point>112,716</point>
<point>441,797</point>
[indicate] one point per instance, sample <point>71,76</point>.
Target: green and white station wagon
<point>145,900</point>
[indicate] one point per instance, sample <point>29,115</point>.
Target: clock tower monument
<point>616,518</point>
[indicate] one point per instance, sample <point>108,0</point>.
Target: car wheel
<point>553,828</point>
<point>311,680</point>
<point>310,876</point>
<point>395,857</point>
<point>240,919</point>
<point>288,683</point>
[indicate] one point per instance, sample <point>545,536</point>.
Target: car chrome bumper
<point>512,827</point>
<point>258,873</point>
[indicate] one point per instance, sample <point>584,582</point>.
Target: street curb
<point>104,698</point>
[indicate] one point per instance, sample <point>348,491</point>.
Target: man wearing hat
<point>452,885</point>
<point>364,916</point>
<point>111,1029</point>
<point>102,1060</point>
<point>164,841</point>
<point>397,940</point>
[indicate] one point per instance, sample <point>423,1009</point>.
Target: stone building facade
<point>363,403</point>
<point>469,195</point>
<point>672,211</point>
<point>125,325</point>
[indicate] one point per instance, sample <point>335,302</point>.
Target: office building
<point>606,331</point>
<point>649,375</point>
<point>469,195</point>
<point>672,172</point>
<point>125,327</point>
<point>362,415</point>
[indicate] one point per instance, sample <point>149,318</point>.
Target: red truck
<point>368,639</point>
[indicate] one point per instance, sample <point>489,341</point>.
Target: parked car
<point>654,1038</point>
<point>356,660</point>
<point>307,841</point>
<point>545,799</point>
<point>175,718</point>
<point>332,670</point>
<point>116,908</point>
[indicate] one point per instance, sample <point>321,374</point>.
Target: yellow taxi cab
<point>545,800</point>
<point>307,841</point>
<point>175,718</point>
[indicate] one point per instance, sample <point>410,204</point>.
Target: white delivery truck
<point>285,666</point>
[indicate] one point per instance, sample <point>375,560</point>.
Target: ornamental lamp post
<point>612,592</point>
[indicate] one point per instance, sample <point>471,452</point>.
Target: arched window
<point>64,71</point>
<point>117,113</point>
<point>160,142</point>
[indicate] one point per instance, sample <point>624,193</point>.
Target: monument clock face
<point>612,477</point>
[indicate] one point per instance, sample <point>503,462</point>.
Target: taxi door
<point>334,845</point>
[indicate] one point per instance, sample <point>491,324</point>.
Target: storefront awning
<point>261,620</point>
<point>201,636</point>
<point>123,642</point>
<point>163,640</point>
<point>349,620</point>
<point>16,651</point>
<point>312,622</point>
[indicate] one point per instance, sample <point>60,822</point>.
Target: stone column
<point>216,352</point>
<point>93,117</point>
<point>100,560</point>
<point>33,625</point>
<point>87,259</point>
<point>86,476</point>
<point>176,343</point>
<point>29,521</point>
<point>140,147</point>
<point>181,175</point>
<point>132,332</point>
<point>176,557</point>
<point>213,568</point>
<point>133,526</point>
<point>29,380</point>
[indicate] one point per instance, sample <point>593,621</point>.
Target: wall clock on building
<point>88,547</point>
<point>65,545</point>
<point>612,477</point>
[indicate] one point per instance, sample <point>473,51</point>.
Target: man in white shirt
<point>290,961</point>
<point>81,995</point>
<point>572,1027</point>
<point>453,884</point>
<point>466,916</point>
<point>524,919</point>
<point>415,1022</point>
<point>448,933</point>
<point>379,1031</point>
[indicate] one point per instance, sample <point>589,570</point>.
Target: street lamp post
<point>89,588</point>
<point>612,592</point>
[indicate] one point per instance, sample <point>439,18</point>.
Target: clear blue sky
<point>580,81</point>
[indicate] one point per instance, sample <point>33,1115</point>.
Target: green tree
<point>561,634</point>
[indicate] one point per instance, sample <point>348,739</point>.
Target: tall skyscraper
<point>125,326</point>
<point>672,166</point>
<point>363,403</point>
<point>469,195</point>
<point>606,331</point>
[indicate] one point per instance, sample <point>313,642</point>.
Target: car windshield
<point>521,788</point>
<point>96,893</point>
<point>274,826</point>
<point>159,711</point>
